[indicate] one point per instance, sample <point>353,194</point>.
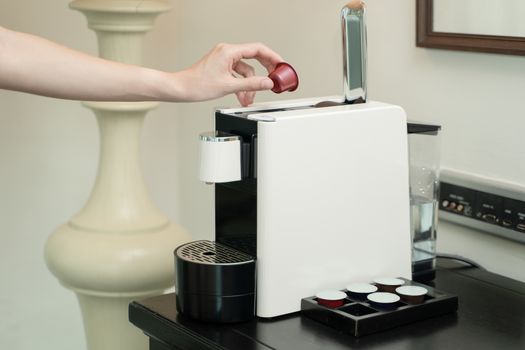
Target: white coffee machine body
<point>329,197</point>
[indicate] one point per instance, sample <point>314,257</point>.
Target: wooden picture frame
<point>427,37</point>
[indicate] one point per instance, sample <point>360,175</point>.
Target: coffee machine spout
<point>220,157</point>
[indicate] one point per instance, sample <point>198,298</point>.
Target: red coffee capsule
<point>284,78</point>
<point>331,298</point>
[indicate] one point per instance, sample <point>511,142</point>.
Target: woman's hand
<point>223,71</point>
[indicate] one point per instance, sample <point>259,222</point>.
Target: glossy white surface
<point>220,161</point>
<point>323,176</point>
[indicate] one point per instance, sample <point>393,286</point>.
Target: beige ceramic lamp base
<point>119,247</point>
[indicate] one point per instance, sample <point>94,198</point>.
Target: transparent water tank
<point>424,152</point>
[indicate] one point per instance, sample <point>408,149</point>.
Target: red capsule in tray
<point>331,298</point>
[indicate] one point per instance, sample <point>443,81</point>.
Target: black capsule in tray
<point>358,317</point>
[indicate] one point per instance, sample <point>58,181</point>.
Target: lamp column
<point>119,247</point>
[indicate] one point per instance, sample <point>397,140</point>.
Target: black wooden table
<point>491,315</point>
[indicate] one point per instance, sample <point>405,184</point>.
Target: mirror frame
<point>427,37</point>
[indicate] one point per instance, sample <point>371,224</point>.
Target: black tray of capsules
<point>359,316</point>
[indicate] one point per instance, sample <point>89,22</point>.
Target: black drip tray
<point>360,318</point>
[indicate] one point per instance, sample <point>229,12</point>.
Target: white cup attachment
<point>220,157</point>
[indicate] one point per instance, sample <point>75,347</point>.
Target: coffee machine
<point>323,198</point>
<point>314,193</point>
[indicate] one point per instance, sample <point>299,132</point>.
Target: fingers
<point>227,71</point>
<point>245,88</point>
<point>243,100</point>
<point>266,56</point>
<point>255,83</point>
<point>249,84</point>
<point>244,69</point>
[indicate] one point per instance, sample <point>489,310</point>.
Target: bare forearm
<point>35,65</point>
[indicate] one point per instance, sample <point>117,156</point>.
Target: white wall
<point>476,97</point>
<point>48,148</point>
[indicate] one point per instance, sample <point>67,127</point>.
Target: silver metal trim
<point>218,136</point>
<point>481,183</point>
<point>353,18</point>
<point>491,229</point>
<point>261,117</point>
<point>485,184</point>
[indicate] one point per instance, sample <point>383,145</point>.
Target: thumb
<point>254,83</point>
